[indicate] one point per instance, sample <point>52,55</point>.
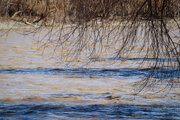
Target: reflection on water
<point>47,111</point>
<point>138,59</point>
<point>78,71</point>
<point>34,87</point>
<point>95,72</point>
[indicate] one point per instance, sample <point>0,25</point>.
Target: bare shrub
<point>150,21</point>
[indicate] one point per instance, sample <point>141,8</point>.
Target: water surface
<point>34,85</point>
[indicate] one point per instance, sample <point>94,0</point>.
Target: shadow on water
<point>137,59</point>
<point>125,72</point>
<point>111,111</point>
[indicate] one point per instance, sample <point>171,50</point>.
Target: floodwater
<point>35,85</point>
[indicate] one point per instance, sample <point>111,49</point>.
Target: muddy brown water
<point>36,86</point>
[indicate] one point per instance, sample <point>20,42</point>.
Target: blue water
<point>126,72</point>
<point>51,111</point>
<point>39,110</point>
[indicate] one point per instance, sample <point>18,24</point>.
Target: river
<point>38,86</point>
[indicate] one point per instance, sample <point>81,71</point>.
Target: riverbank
<point>6,24</point>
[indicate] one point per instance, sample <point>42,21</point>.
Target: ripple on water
<point>31,89</point>
<point>52,111</point>
<point>125,72</point>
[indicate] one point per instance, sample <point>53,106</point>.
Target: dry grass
<point>33,10</point>
<point>85,10</point>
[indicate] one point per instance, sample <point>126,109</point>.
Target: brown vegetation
<point>31,10</point>
<point>86,10</point>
